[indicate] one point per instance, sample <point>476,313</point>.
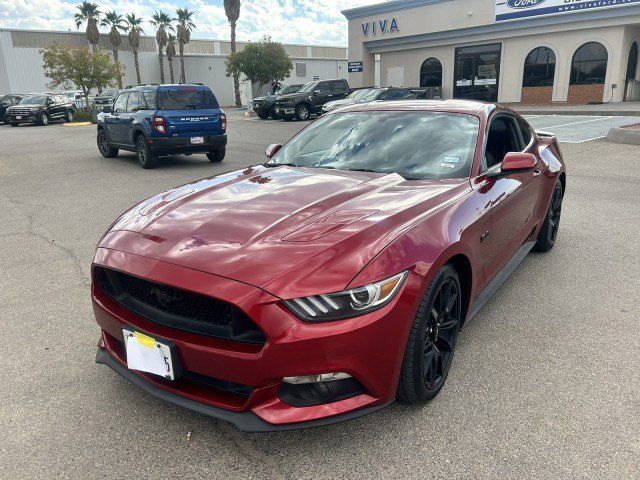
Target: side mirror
<point>107,109</point>
<point>517,162</point>
<point>316,92</point>
<point>272,150</point>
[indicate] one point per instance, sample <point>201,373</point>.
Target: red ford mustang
<point>334,278</point>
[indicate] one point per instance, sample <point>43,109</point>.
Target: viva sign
<point>380,26</point>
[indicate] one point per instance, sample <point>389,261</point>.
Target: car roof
<point>469,107</point>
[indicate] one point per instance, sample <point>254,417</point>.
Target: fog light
<point>310,390</point>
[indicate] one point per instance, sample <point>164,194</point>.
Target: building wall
<point>435,28</point>
<point>21,62</point>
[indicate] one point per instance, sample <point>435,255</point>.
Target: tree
<point>67,67</point>
<point>185,25</point>
<point>171,52</point>
<point>232,10</point>
<point>133,25</point>
<point>115,21</point>
<point>88,13</point>
<point>261,62</point>
<point>162,22</point>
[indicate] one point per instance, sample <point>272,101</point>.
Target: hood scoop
<point>327,225</point>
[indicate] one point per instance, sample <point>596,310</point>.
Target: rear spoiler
<point>549,139</point>
<point>543,134</point>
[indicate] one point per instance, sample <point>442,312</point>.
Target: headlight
<point>289,102</point>
<point>346,304</point>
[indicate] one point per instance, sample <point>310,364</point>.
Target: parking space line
<point>576,123</point>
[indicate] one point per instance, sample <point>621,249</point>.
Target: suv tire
<point>106,150</point>
<point>146,158</point>
<point>217,155</point>
<point>43,119</point>
<point>263,116</point>
<point>273,114</point>
<point>69,116</point>
<point>302,112</point>
<point>14,124</point>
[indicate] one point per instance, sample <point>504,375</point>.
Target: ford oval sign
<point>524,3</point>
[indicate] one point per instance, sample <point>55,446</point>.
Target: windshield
<point>109,93</point>
<point>291,89</point>
<point>359,93</point>
<point>416,145</point>
<point>6,100</point>
<point>308,87</point>
<point>34,100</point>
<point>187,98</point>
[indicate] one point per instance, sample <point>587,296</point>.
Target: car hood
<point>291,231</point>
<point>340,103</point>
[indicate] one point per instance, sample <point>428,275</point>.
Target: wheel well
<point>563,182</point>
<point>463,268</point>
<point>136,134</point>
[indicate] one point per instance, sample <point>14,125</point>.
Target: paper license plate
<point>18,117</point>
<point>197,140</point>
<point>146,354</point>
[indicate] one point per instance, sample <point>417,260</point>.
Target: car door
<point>135,103</point>
<point>321,95</point>
<point>114,121</point>
<point>61,105</point>
<point>513,197</point>
<point>339,89</point>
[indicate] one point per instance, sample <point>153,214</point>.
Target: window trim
<point>498,166</point>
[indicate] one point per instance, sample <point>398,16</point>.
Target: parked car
<point>6,101</point>
<point>105,98</point>
<point>265,106</point>
<point>156,121</point>
<point>76,97</point>
<point>334,278</point>
<point>369,95</point>
<point>310,98</point>
<point>40,109</point>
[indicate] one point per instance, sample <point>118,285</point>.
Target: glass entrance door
<point>477,72</point>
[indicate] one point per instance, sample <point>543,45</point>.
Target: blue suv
<point>159,120</point>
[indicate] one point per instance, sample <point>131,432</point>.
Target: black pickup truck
<point>310,98</point>
<point>40,109</point>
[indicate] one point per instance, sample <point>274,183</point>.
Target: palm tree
<point>232,10</point>
<point>171,52</point>
<point>185,25</point>
<point>115,21</point>
<point>133,25</point>
<point>162,22</point>
<point>88,13</point>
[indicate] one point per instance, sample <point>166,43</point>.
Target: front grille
<point>177,308</point>
<point>19,111</point>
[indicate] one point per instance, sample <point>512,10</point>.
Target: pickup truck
<point>310,98</point>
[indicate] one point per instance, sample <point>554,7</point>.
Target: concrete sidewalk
<point>625,109</point>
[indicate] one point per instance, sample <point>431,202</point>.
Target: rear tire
<point>217,156</point>
<point>146,158</point>
<point>432,339</point>
<point>549,231</point>
<point>106,150</point>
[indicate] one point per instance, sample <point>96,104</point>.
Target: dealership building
<point>511,51</point>
<point>21,61</point>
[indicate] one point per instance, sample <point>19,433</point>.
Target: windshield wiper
<point>273,165</point>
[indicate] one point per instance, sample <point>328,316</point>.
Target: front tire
<point>146,158</point>
<point>263,116</point>
<point>217,155</point>
<point>69,116</point>
<point>432,339</point>
<point>14,124</point>
<point>302,112</point>
<point>43,119</point>
<point>105,148</point>
<point>549,231</point>
<point>273,114</point>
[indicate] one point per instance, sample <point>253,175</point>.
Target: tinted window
<point>135,102</point>
<point>322,86</point>
<point>339,86</point>
<point>150,99</point>
<point>539,68</point>
<point>34,100</point>
<point>409,143</point>
<point>589,64</point>
<point>501,139</point>
<point>121,103</point>
<point>309,87</point>
<point>5,100</point>
<point>526,131</point>
<point>187,99</point>
<point>394,94</point>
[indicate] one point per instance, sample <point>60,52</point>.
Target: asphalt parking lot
<point>579,128</point>
<point>544,384</point>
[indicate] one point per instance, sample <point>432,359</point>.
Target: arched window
<point>589,64</point>
<point>539,68</point>
<point>632,65</point>
<point>431,73</point>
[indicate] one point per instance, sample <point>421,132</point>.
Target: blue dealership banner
<point>516,9</point>
<point>355,67</point>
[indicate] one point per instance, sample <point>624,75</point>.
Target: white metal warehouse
<point>21,63</point>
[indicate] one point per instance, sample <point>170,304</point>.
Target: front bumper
<point>370,348</point>
<point>24,118</point>
<point>181,145</point>
<point>285,111</point>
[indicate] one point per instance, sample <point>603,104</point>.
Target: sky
<point>288,21</point>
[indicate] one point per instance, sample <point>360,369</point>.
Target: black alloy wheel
<point>146,159</point>
<point>432,339</point>
<point>106,150</point>
<point>273,114</point>
<point>302,112</point>
<point>549,231</point>
<point>69,116</point>
<point>44,119</point>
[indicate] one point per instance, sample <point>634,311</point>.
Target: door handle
<point>484,236</point>
<point>536,173</point>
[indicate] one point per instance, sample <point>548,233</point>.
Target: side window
<point>121,103</point>
<point>50,100</point>
<point>150,100</point>
<point>527,133</point>
<point>502,138</point>
<point>135,102</point>
<point>323,87</point>
<point>339,86</point>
